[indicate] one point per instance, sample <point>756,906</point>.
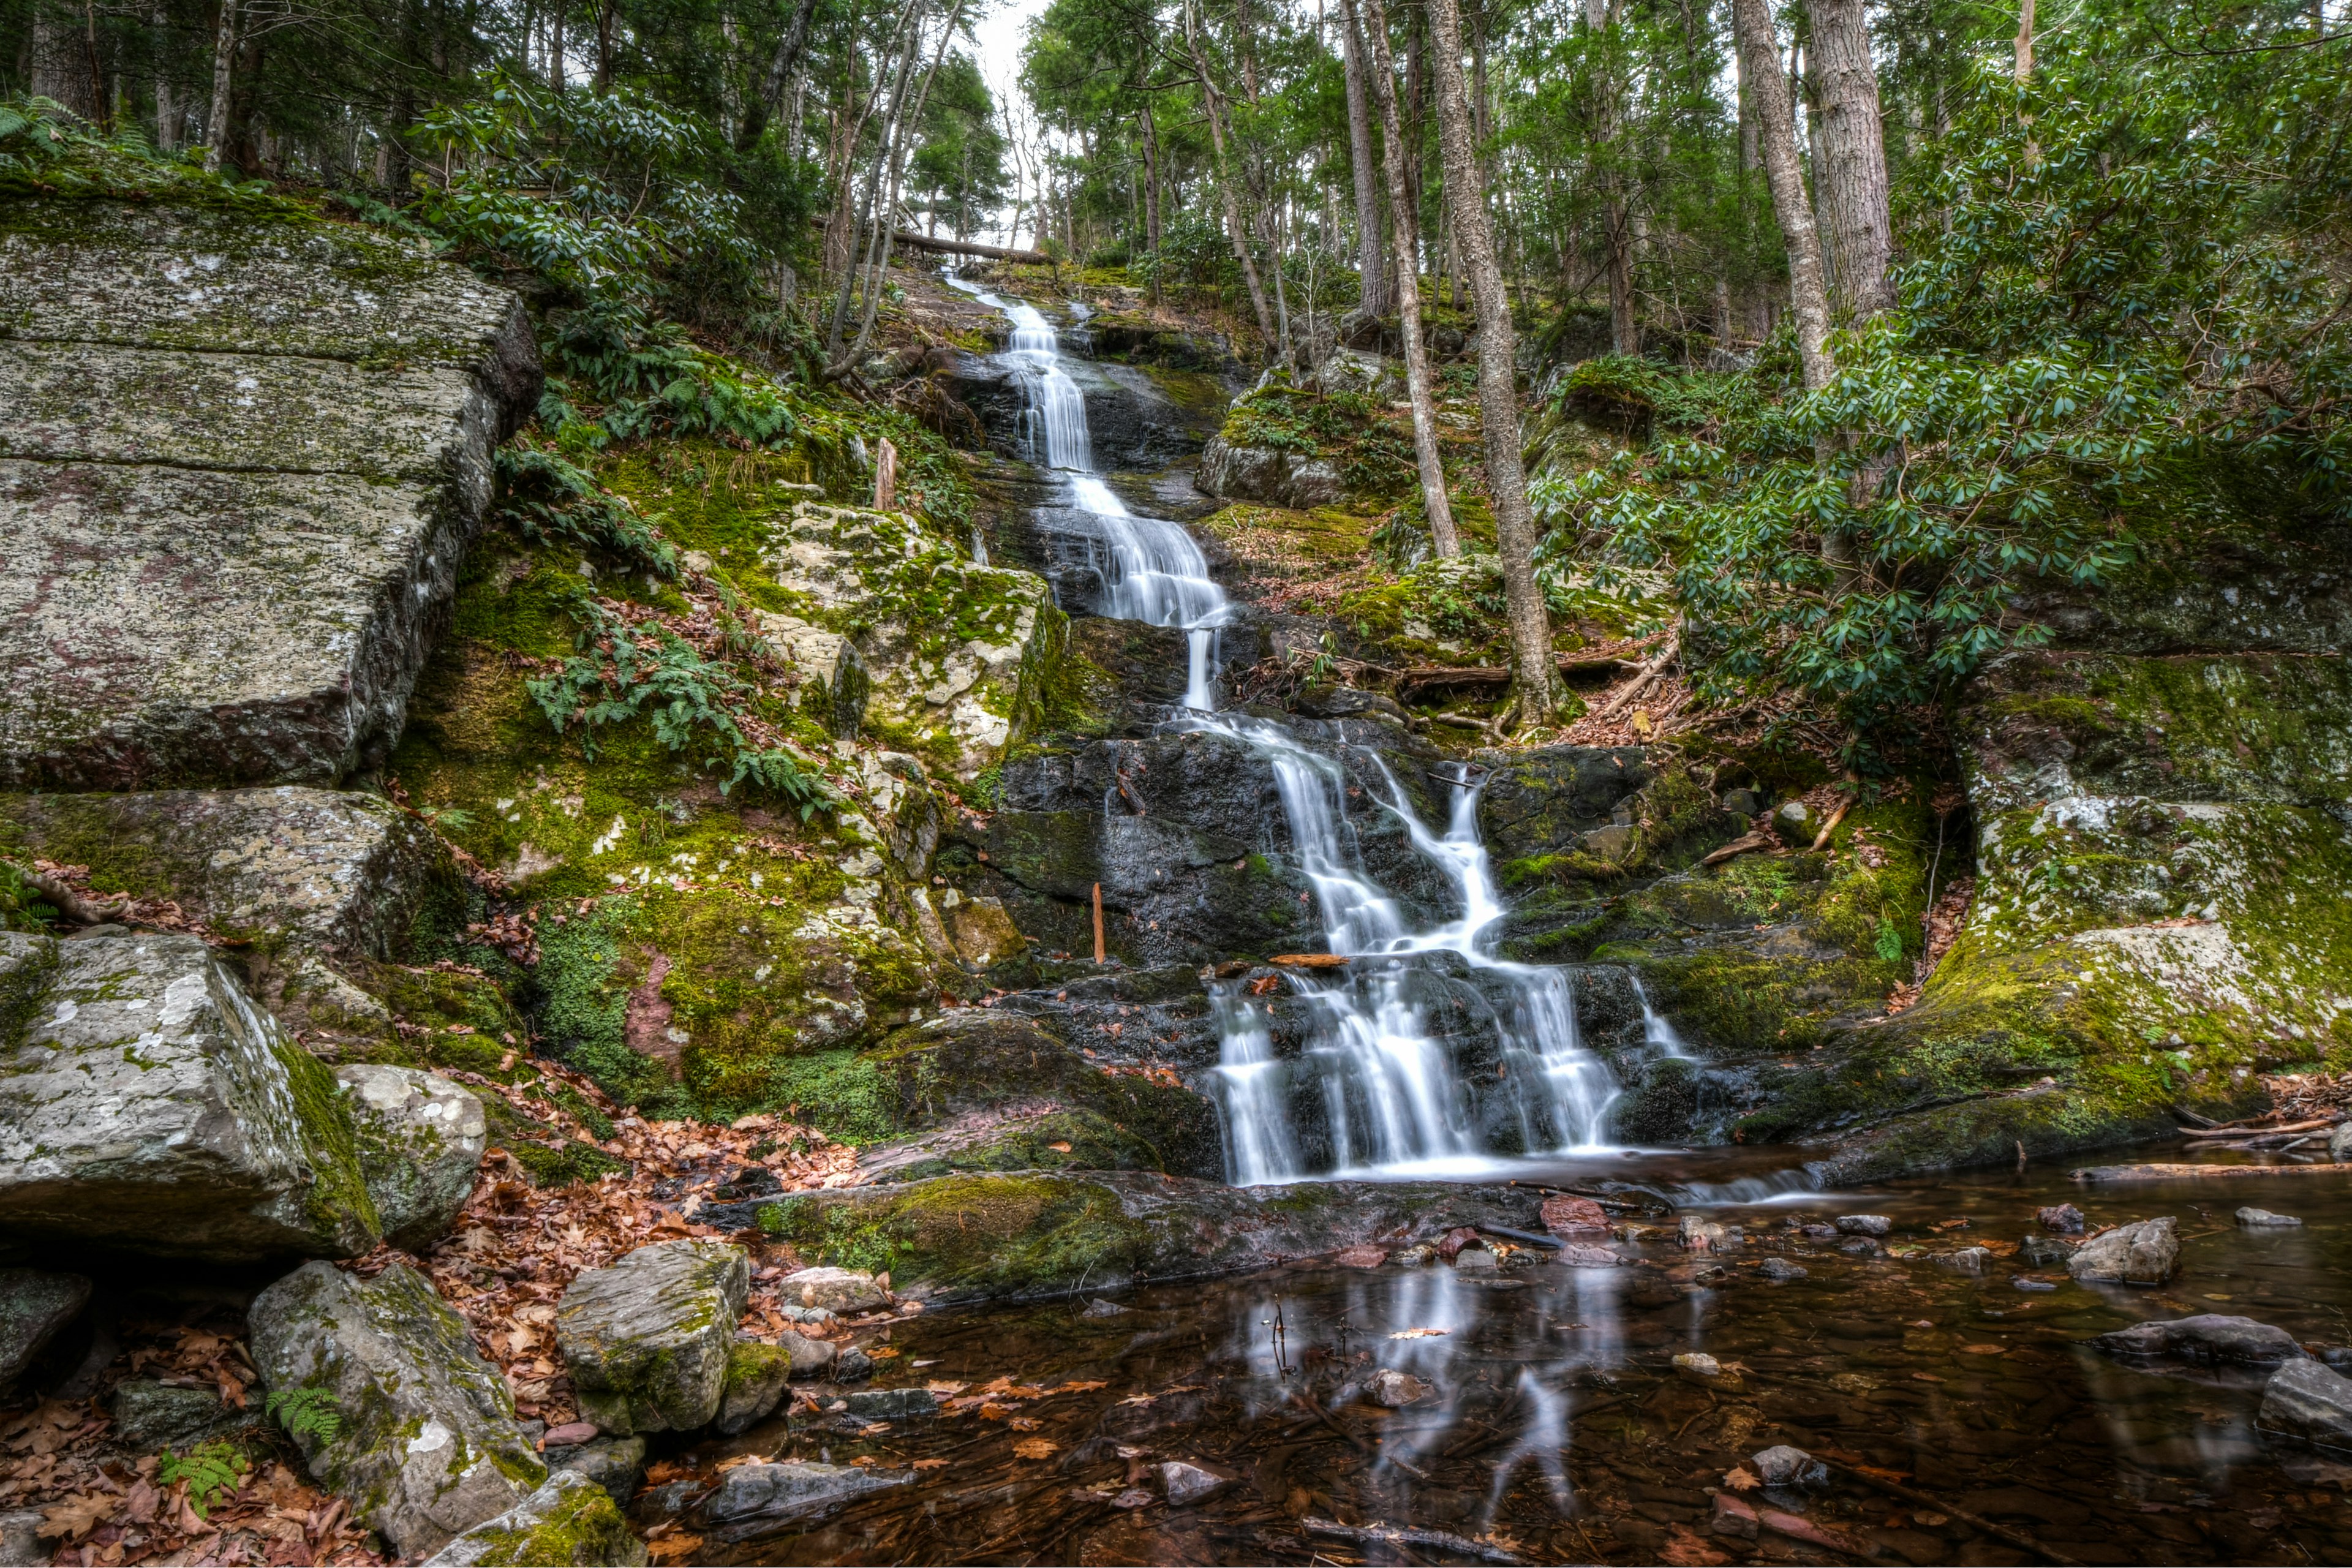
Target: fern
<point>307,1413</point>
<point>1888,944</point>
<point>210,1469</point>
<point>550,500</point>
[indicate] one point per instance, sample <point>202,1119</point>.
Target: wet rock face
<point>428,1445</point>
<point>147,1104</point>
<point>236,528</point>
<point>1544,802</point>
<point>648,1339</point>
<point>1131,420</point>
<point>752,1498</point>
<point>569,1522</point>
<point>1268,477</point>
<point>2209,1337</point>
<point>2306,1403</point>
<point>2146,1252</point>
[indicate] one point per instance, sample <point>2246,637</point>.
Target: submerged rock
<point>1782,1268</point>
<point>649,1338</point>
<point>242,460</point>
<point>1864,1225</point>
<point>569,1522</point>
<point>1787,1467</point>
<point>752,1498</point>
<point>2306,1403</point>
<point>1394,1389</point>
<point>2207,1337</point>
<point>420,1141</point>
<point>149,1105</point>
<point>1188,1481</point>
<point>35,1304</point>
<point>427,1444</point>
<point>2262,1219</point>
<point>2144,1253</point>
<point>2064,1219</point>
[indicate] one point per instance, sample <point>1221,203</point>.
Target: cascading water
<point>1149,569</point>
<point>1393,1099</point>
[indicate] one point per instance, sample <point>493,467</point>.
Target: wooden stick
<point>1642,679</point>
<point>1738,847</point>
<point>1099,934</point>
<point>2099,1173</point>
<point>2240,1130</point>
<point>2016,1538</point>
<point>1403,1535</point>
<point>1822,839</point>
<point>886,475</point>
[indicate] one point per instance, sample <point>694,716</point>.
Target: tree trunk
<point>1498,397</point>
<point>888,217</point>
<point>1215,99</point>
<point>1150,184</point>
<point>224,58</point>
<point>1426,456</point>
<point>1759,54</point>
<point>167,108</point>
<point>780,71</point>
<point>1370,251</point>
<point>556,68</point>
<point>1849,156</point>
<point>2024,67</point>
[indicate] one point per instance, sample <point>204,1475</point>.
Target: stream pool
<point>1556,1423</point>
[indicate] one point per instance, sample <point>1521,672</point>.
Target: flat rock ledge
<point>240,459</point>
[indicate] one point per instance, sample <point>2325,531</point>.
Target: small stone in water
<point>2028,1282</point>
<point>2254,1219</point>
<point>1967,1260</point>
<point>1860,1245</point>
<point>1786,1466</point>
<point>2063,1218</point>
<point>567,1434</point>
<point>1782,1268</point>
<point>1415,1256</point>
<point>1698,1235</point>
<point>1585,1255</point>
<point>1699,1361</point>
<point>1098,1308</point>
<point>1188,1483</point>
<point>1474,1258</point>
<point>1865,1224</point>
<point>1394,1389</point>
<point>852,1365</point>
<point>1564,1215</point>
<point>1361,1256</point>
<point>1820,1232</point>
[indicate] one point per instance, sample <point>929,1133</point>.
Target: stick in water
<point>1098,936</point>
<point>1396,1535</point>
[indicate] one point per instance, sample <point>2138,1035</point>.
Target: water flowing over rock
<point>427,1446</point>
<point>149,1105</point>
<point>648,1339</point>
<point>242,461</point>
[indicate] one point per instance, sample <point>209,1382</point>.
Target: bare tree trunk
<point>1426,456</point>
<point>1759,55</point>
<point>905,45</point>
<point>779,69</point>
<point>167,108</point>
<point>2024,69</point>
<point>1850,156</point>
<point>1150,184</point>
<point>894,152</point>
<point>556,70</point>
<point>1214,99</point>
<point>1536,676</point>
<point>1369,250</point>
<point>216,118</point>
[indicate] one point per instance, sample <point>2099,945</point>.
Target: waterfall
<point>1392,1096</point>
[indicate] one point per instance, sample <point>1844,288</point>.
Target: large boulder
<point>34,1303</point>
<point>242,459</point>
<point>2306,1402</point>
<point>649,1340</point>
<point>1268,476</point>
<point>146,1104</point>
<point>423,1438</point>
<point>420,1141</point>
<point>2146,1252</point>
<point>2210,1337</point>
<point>569,1522</point>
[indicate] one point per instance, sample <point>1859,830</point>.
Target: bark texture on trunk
<point>1371,255</point>
<point>224,57</point>
<point>1498,397</point>
<point>1427,461</point>
<point>780,71</point>
<point>1850,156</point>
<point>1776,126</point>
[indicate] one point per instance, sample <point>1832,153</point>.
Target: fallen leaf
<point>77,1516</point>
<point>1986,1349</point>
<point>675,1549</point>
<point>1034,1447</point>
<point>1685,1548</point>
<point>929,1464</point>
<point>1077,1388</point>
<point>945,1390</point>
<point>1740,1479</point>
<point>1024,1423</point>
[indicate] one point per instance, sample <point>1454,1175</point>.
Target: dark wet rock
<point>2038,1250</point>
<point>420,1139</point>
<point>1188,1481</point>
<point>1543,802</point>
<point>975,1236</point>
<point>1865,1224</point>
<point>428,1445</point>
<point>2207,1337</point>
<point>148,1105</point>
<point>149,1416</point>
<point>2064,1219</point>
<point>852,1365</point>
<point>1862,1247</point>
<point>1268,477</point>
<point>1967,1260</point>
<point>570,1521</point>
<point>1787,1467</point>
<point>616,1464</point>
<point>648,1339</point>
<point>2306,1402</point>
<point>2026,1282</point>
<point>752,1499</point>
<point>891,1403</point>
<point>1345,702</point>
<point>242,462</point>
<point>2264,1219</point>
<point>2144,1253</point>
<point>1782,1268</point>
<point>35,1304</point>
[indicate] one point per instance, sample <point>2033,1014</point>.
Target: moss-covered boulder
<point>146,1104</point>
<point>569,1522</point>
<point>648,1339</point>
<point>389,1402</point>
<point>978,1237</point>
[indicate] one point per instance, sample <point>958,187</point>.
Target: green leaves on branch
<point>695,704</point>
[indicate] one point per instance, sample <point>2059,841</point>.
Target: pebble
<point>2026,1282</point>
<point>1393,1390</point>
<point>1865,1224</point>
<point>1861,1247</point>
<point>1783,1466</point>
<point>1186,1482</point>
<point>2256,1219</point>
<point>1699,1361</point>
<point>1967,1260</point>
<point>1820,1232</point>
<point>1585,1255</point>
<point>851,1365</point>
<point>2063,1218</point>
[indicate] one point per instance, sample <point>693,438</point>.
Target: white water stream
<point>1393,1097</point>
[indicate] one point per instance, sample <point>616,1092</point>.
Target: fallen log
<point>1404,1535</point>
<point>2095,1175</point>
<point>2244,1130</point>
<point>1309,960</point>
<point>1738,847</point>
<point>915,241</point>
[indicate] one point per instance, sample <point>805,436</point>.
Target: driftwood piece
<point>1404,1535</point>
<point>2101,1174</point>
<point>1738,847</point>
<point>1309,960</point>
